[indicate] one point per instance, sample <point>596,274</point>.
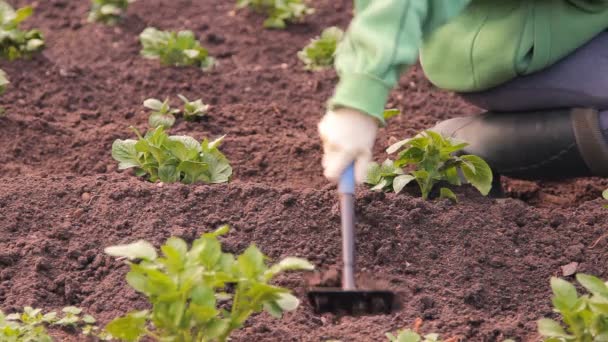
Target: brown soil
<point>478,269</point>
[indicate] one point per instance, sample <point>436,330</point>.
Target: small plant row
<point>279,12</point>
<point>30,324</point>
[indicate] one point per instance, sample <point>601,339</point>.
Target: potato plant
<point>410,335</point>
<point>14,42</point>
<point>108,11</point>
<point>162,114</point>
<point>319,53</point>
<point>430,159</point>
<point>175,158</point>
<point>193,109</point>
<point>279,12</point>
<point>189,289</point>
<point>585,317</point>
<point>30,325</point>
<point>174,48</point>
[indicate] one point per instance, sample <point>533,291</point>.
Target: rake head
<point>351,302</point>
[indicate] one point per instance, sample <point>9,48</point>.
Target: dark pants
<point>578,80</point>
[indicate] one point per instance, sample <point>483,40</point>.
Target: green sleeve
<point>382,40</point>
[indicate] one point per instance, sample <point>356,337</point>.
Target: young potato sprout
<point>319,53</point>
<point>193,109</point>
<point>279,12</point>
<point>430,159</point>
<point>174,48</point>
<point>187,287</point>
<point>585,317</point>
<point>15,43</point>
<point>30,324</point>
<point>108,11</point>
<point>162,114</point>
<point>175,158</point>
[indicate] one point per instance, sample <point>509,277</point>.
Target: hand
<point>347,135</point>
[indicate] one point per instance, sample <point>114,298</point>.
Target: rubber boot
<point>553,144</point>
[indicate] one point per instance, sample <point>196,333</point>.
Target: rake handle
<point>346,188</point>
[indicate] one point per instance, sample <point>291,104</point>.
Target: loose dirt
<point>478,269</point>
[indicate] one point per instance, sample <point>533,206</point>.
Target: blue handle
<point>347,180</point>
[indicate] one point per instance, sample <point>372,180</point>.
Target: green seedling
<point>279,12</point>
<point>605,196</point>
<point>108,11</point>
<point>319,53</point>
<point>15,43</point>
<point>409,335</point>
<point>175,158</point>
<point>391,113</point>
<point>189,289</point>
<point>162,114</point>
<point>430,159</point>
<point>30,324</point>
<point>193,109</point>
<point>174,48</point>
<point>585,317</point>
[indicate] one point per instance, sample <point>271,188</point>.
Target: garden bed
<point>478,269</point>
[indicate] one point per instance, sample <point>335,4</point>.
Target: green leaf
<point>72,310</point>
<point>390,113</point>
<point>21,14</point>
<point>380,186</point>
<point>153,104</point>
<point>605,194</point>
<point>222,230</point>
<point>273,309</point>
<point>287,302</point>
<point>288,264</point>
<point>564,292</point>
<point>401,181</point>
<point>216,328</point>
<point>49,317</point>
<point>396,146</point>
<point>374,174</point>
<point>168,173</point>
<point>219,170</point>
<point>251,262</point>
<point>592,284</point>
<point>89,319</point>
<point>550,328</point>
<point>481,176</point>
<point>124,152</point>
<point>164,120</point>
<point>130,327</point>
<point>193,171</point>
<point>137,250</point>
<point>447,193</point>
<point>137,281</point>
<point>405,336</point>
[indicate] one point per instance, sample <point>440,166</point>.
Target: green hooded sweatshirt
<point>464,45</point>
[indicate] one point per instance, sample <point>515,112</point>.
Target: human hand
<point>348,135</point>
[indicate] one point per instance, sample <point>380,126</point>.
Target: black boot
<point>534,145</point>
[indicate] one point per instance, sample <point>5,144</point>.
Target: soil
<point>479,269</point>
